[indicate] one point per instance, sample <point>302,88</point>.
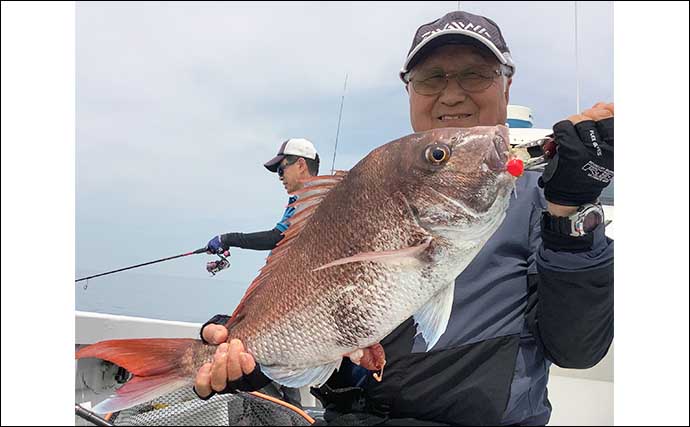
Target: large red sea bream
<point>366,249</point>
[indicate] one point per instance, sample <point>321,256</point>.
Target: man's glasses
<point>283,166</point>
<point>435,80</point>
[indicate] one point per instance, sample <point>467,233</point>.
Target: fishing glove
<point>253,381</point>
<point>215,245</point>
<point>583,164</point>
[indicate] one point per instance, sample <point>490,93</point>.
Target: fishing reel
<point>214,267</point>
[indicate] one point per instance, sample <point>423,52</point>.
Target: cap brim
<point>272,165</point>
<point>458,35</point>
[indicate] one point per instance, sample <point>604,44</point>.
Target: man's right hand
<point>583,164</point>
<point>229,363</point>
<point>232,363</point>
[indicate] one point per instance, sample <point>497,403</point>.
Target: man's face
<point>454,106</point>
<point>293,174</point>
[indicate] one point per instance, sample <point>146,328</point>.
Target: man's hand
<point>215,246</point>
<point>583,164</point>
<point>230,363</point>
<point>215,334</point>
<point>233,367</point>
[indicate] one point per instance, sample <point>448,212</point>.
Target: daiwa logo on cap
<point>457,25</point>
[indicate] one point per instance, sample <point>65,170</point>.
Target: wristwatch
<point>583,221</point>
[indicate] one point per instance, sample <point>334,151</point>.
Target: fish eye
<point>437,154</point>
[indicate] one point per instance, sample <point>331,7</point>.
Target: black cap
<point>458,27</point>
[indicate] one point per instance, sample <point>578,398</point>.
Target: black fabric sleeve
<point>559,242</point>
<point>261,240</point>
<point>573,316</point>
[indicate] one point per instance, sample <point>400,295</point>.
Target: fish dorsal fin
<point>309,198</point>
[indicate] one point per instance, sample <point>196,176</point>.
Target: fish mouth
<point>497,157</point>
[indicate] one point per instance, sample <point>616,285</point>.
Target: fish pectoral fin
<point>398,256</point>
<point>295,377</point>
<point>432,319</point>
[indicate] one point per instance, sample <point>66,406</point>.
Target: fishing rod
<point>211,267</point>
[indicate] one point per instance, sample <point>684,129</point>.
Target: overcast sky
<point>179,104</point>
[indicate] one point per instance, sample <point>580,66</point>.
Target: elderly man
<point>539,292</point>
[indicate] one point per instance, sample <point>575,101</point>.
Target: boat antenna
<point>577,69</point>
<point>337,132</point>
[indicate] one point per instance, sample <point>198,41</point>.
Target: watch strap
<point>555,235</point>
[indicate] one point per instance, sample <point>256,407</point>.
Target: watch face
<point>592,219</point>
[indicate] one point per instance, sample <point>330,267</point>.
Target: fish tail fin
<point>157,364</point>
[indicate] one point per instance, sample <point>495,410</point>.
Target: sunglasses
<point>283,166</point>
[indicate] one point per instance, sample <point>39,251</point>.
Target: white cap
<point>292,147</point>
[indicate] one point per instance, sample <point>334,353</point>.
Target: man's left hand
<point>583,164</point>
<point>215,246</point>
